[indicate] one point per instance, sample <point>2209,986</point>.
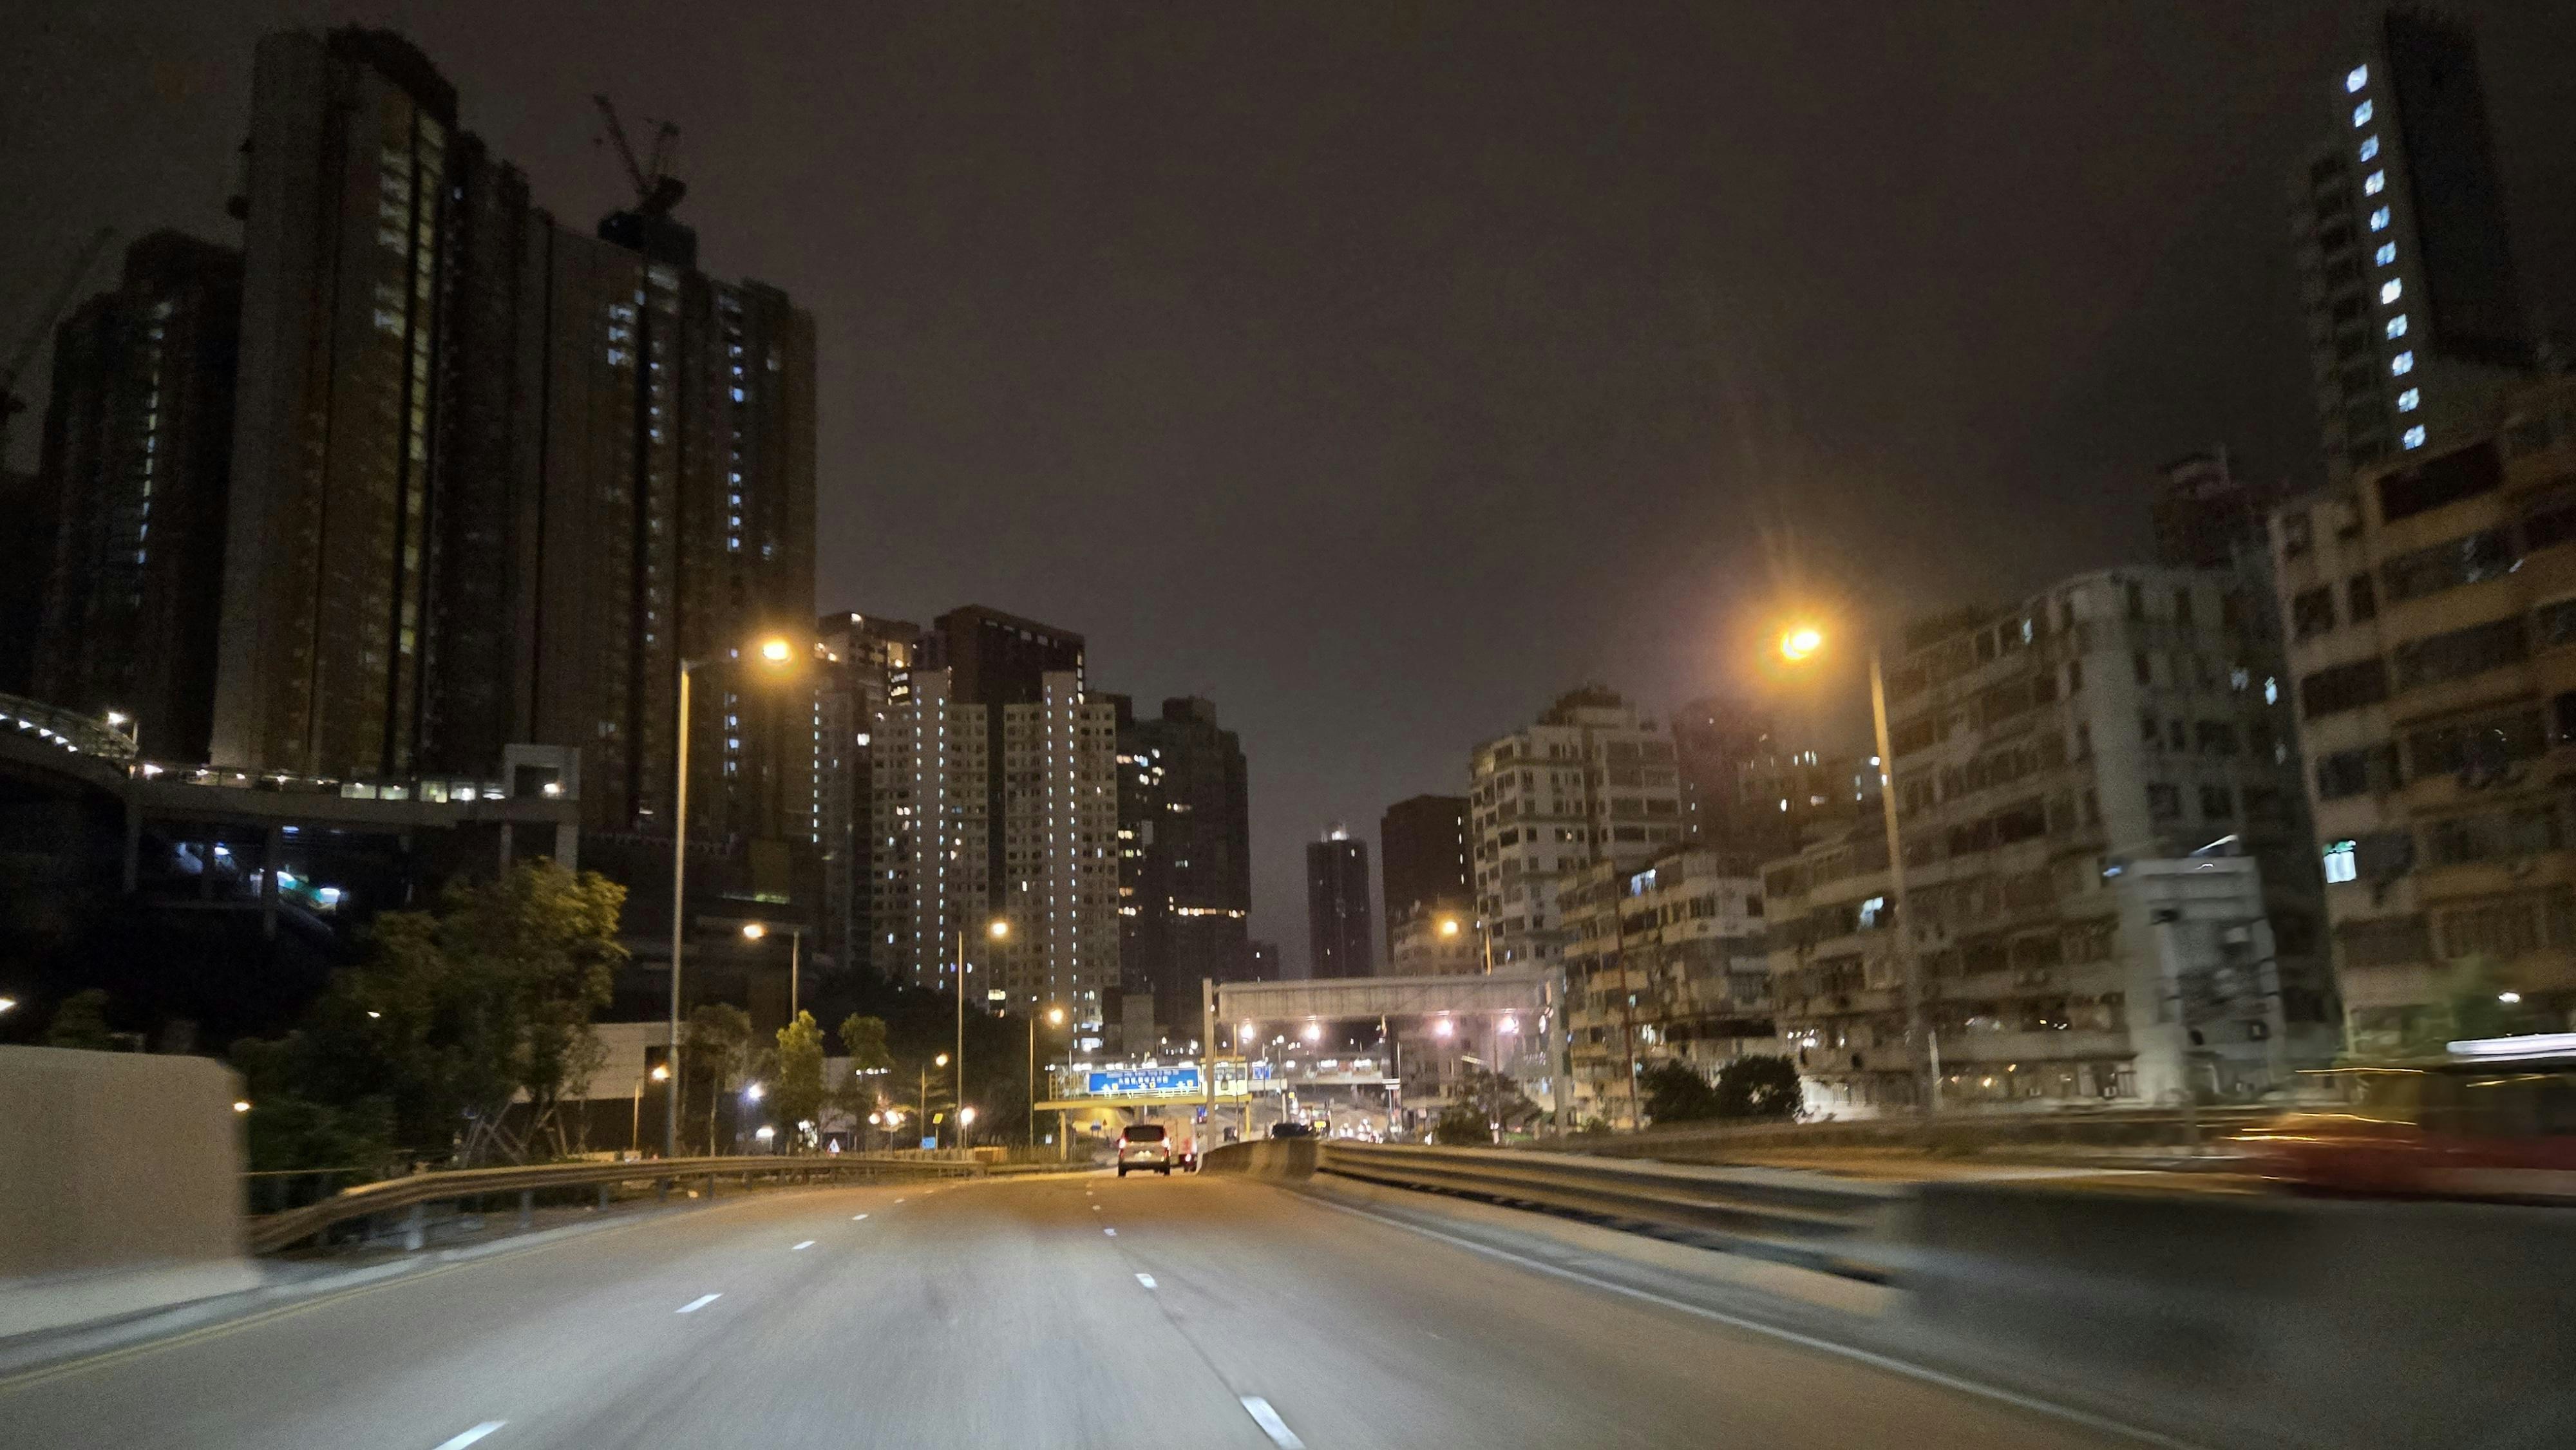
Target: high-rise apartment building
<point>1591,781</point>
<point>2106,858</point>
<point>995,784</point>
<point>1340,941</point>
<point>328,559</point>
<point>2415,325</point>
<point>1667,962</point>
<point>1264,957</point>
<point>1748,794</point>
<point>2432,609</point>
<point>137,453</point>
<point>1422,850</point>
<point>856,660</point>
<point>1184,856</point>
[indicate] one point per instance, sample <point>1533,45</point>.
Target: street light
<point>755,930</point>
<point>1055,1018</point>
<point>635,1127</point>
<point>997,929</point>
<point>774,650</point>
<point>1797,645</point>
<point>940,1061</point>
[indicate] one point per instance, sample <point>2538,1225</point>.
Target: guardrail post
<point>415,1227</point>
<point>527,1207</point>
<point>603,1198</point>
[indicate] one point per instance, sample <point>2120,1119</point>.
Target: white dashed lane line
<point>1145,1279</point>
<point>854,1218</point>
<point>1113,1233</point>
<point>1270,1423</point>
<point>459,1442</point>
<point>700,1302</point>
<point>809,1243</point>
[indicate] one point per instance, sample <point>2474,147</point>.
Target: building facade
<point>1340,940</point>
<point>2415,324</point>
<point>857,656</point>
<point>2432,607</point>
<point>2107,863</point>
<point>1434,939</point>
<point>1423,858</point>
<point>136,463</point>
<point>1184,856</point>
<point>1667,963</point>
<point>994,779</point>
<point>1590,781</point>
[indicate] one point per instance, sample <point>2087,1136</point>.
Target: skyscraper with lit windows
<point>2415,326</point>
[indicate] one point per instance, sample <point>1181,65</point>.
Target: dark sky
<point>1378,370</point>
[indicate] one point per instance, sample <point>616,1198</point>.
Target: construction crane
<point>656,189</point>
<point>42,326</point>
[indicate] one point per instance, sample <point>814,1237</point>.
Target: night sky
<point>1378,370</point>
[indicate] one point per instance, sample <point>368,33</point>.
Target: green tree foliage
<point>1494,1097</point>
<point>796,1096</point>
<point>1676,1093</point>
<point>455,1015</point>
<point>2467,1001</point>
<point>718,1058</point>
<point>1460,1125</point>
<point>863,1039</point>
<point>1758,1087</point>
<point>81,1022</point>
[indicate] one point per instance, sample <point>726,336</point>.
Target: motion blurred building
<point>2107,863</point>
<point>1667,962</point>
<point>2433,647</point>
<point>2415,323</point>
<point>1591,781</point>
<point>1340,942</point>
<point>135,465</point>
<point>995,782</point>
<point>1184,856</point>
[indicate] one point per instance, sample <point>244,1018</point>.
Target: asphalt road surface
<point>1062,1311</point>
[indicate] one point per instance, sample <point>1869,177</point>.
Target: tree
<point>1759,1087</point>
<point>797,1093</point>
<point>717,1055</point>
<point>2467,1001</point>
<point>81,1022</point>
<point>1494,1097</point>
<point>1461,1125</point>
<point>1676,1093</point>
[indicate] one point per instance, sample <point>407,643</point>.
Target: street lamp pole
<point>679,913</point>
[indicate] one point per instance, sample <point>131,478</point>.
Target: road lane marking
<point>1145,1279</point>
<point>1874,1360</point>
<point>1270,1423</point>
<point>700,1302</point>
<point>800,1248</point>
<point>854,1218</point>
<point>470,1436</point>
<point>1113,1233</point>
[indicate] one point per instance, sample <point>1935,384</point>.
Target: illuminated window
<point>2379,220</point>
<point>2375,183</point>
<point>2402,364</point>
<point>2361,114</point>
<point>2391,290</point>
<point>2369,147</point>
<point>2342,863</point>
<point>2414,437</point>
<point>2397,325</point>
<point>2386,256</point>
<point>2355,79</point>
<point>2409,400</point>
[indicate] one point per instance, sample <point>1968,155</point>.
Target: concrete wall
<point>1274,1158</point>
<point>120,1185</point>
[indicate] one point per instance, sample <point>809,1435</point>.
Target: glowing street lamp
<point>997,929</point>
<point>1801,643</point>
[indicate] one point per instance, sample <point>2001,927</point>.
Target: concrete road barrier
<point>120,1185</point>
<point>1276,1159</point>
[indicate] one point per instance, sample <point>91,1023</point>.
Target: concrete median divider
<point>120,1185</point>
<point>2292,1321</point>
<point>1277,1160</point>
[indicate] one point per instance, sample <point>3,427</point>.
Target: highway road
<point>1076,1311</point>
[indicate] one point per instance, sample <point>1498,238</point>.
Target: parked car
<point>1145,1146</point>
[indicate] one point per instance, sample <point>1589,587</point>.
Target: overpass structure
<point>1536,996</point>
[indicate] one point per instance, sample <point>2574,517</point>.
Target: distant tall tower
<point>854,675</point>
<point>138,447</point>
<point>996,796</point>
<point>1184,855</point>
<point>1341,942</point>
<point>2415,325</point>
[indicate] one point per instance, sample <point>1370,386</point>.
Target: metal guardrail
<point>1788,1216</point>
<point>271,1232</point>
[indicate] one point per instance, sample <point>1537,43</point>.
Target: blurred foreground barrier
<point>2325,1323</point>
<point>2066,1134</point>
<point>120,1183</point>
<point>281,1230</point>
